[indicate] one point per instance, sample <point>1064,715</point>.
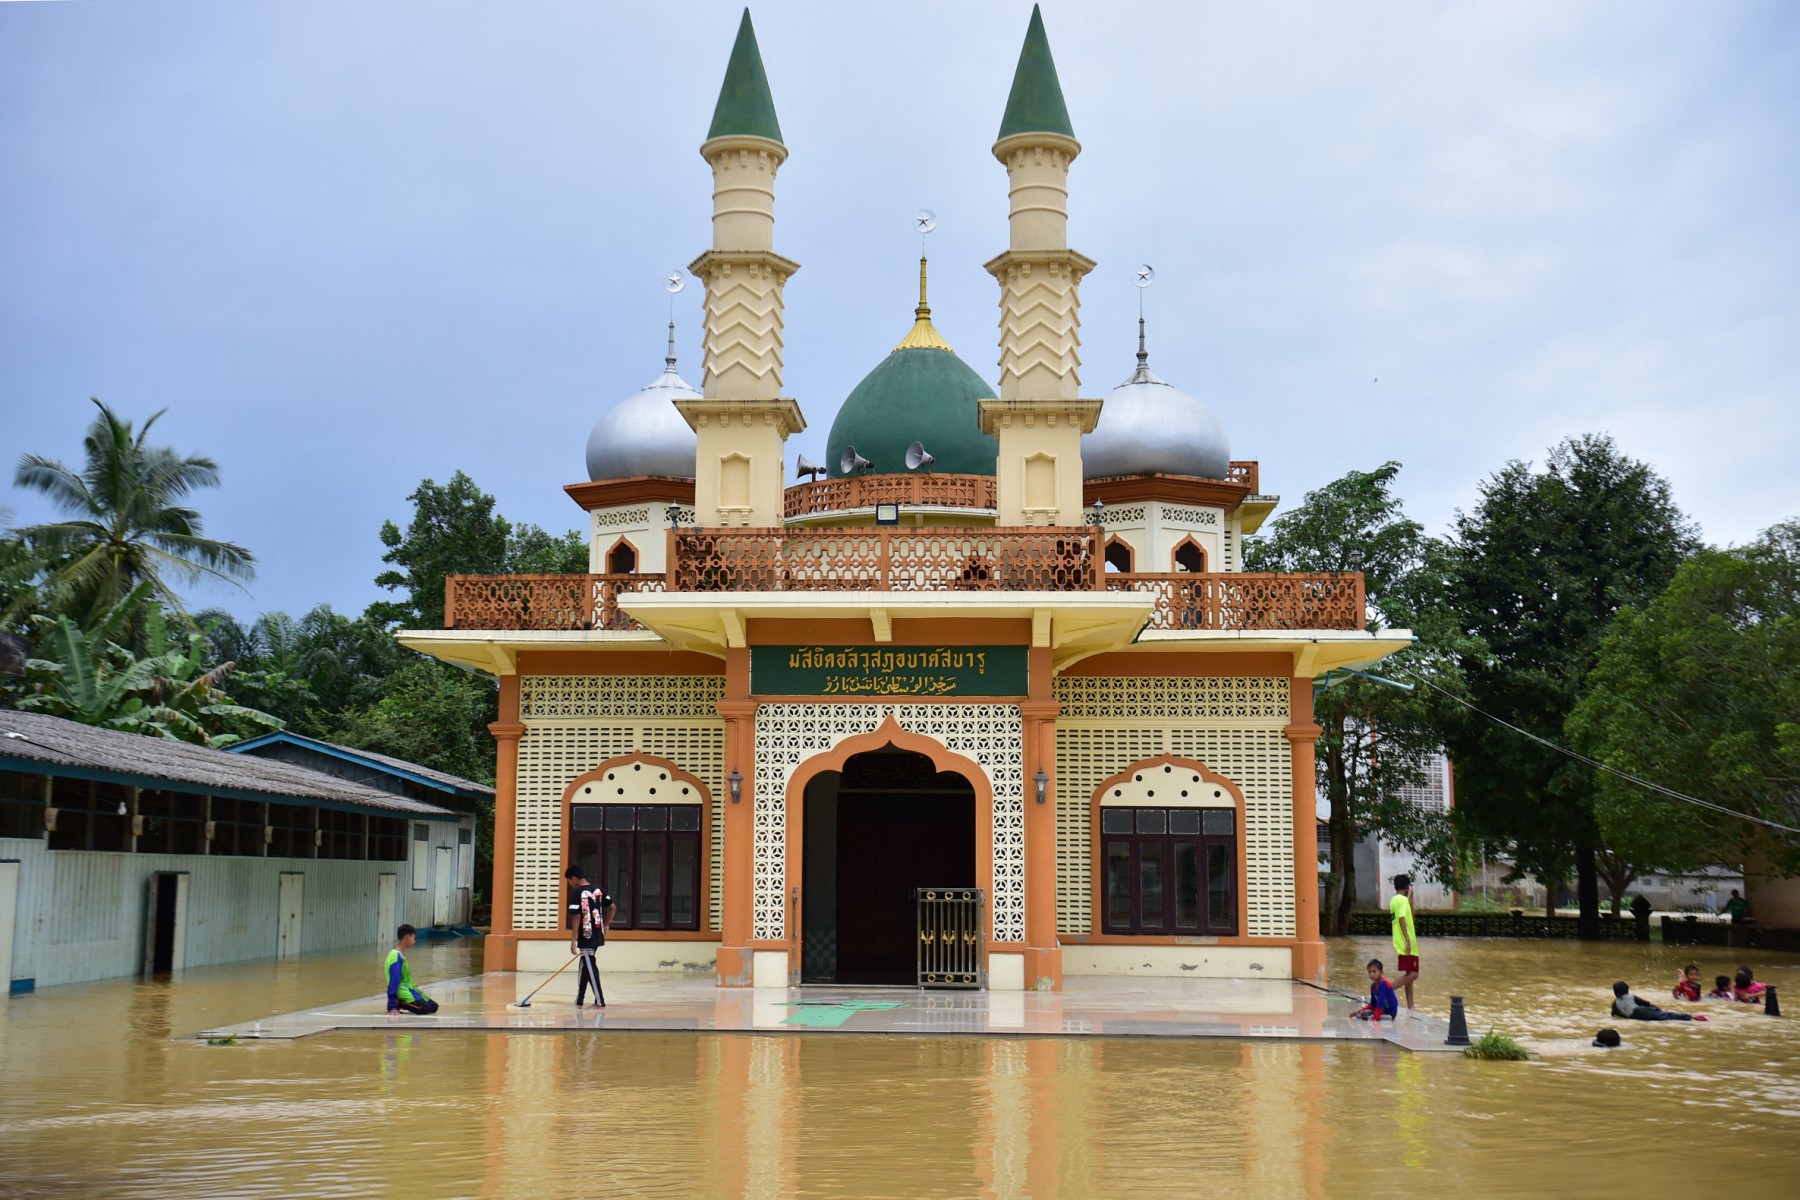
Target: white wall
<point>81,914</point>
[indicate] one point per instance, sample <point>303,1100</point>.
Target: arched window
<point>1168,843</point>
<point>621,559</point>
<point>634,823</point>
<point>1118,555</point>
<point>1190,557</point>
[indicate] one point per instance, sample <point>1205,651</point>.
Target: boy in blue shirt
<point>1382,1001</point>
<point>402,995</point>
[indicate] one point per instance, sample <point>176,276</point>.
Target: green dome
<point>917,394</point>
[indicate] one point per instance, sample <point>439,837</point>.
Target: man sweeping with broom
<point>593,912</point>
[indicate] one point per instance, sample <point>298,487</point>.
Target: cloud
<point>353,245</point>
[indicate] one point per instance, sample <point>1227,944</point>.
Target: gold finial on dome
<point>924,336</point>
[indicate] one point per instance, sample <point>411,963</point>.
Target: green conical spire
<point>1036,103</point>
<point>745,106</point>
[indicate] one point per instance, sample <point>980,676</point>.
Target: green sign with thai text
<point>922,671</point>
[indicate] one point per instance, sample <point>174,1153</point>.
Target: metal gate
<point>950,937</point>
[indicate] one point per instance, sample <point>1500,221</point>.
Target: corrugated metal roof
<point>52,743</point>
<point>454,782</point>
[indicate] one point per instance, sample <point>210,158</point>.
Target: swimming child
<point>1636,1008</point>
<point>1688,986</point>
<point>1746,988</point>
<point>1721,989</point>
<point>1382,1001</point>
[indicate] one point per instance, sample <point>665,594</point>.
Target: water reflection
<point>97,1097</point>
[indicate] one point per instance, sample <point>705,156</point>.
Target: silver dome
<point>1147,427</point>
<point>643,434</point>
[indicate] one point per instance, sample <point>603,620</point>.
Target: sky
<point>349,246</point>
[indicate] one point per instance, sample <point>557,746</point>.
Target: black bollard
<point>1459,1024</point>
<point>1771,1006</point>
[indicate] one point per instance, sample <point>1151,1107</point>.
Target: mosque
<point>989,704</point>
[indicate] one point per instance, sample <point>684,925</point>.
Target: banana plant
<point>169,691</point>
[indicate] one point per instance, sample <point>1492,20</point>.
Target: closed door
<point>290,908</point>
<point>9,907</point>
<point>442,882</point>
<point>387,917</point>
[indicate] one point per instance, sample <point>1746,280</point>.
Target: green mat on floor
<point>831,1015</point>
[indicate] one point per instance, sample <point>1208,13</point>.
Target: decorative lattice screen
<point>576,722</point>
<point>1233,725</point>
<point>991,734</point>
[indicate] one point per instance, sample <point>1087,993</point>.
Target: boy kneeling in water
<point>402,996</point>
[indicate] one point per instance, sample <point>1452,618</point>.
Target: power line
<point>1658,788</point>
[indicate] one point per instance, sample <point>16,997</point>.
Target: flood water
<point>99,1095</point>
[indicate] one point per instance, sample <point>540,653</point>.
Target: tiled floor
<point>1087,1007</point>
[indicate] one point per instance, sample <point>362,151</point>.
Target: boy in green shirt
<point>402,995</point>
<point>1406,939</point>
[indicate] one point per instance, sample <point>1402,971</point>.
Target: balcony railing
<point>542,601</point>
<point>1242,600</point>
<point>894,559</point>
<point>911,491</point>
<point>886,559</point>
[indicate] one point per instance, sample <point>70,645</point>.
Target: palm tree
<point>125,524</point>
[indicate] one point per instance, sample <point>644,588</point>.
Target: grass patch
<point>1493,1045</point>
<point>224,1041</point>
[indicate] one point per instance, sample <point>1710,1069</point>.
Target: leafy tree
<point>455,531</point>
<point>20,568</point>
<point>1540,567</point>
<point>125,524</point>
<point>534,551</point>
<point>167,692</point>
<point>1698,691</point>
<point>1376,739</point>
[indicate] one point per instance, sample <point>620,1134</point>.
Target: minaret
<point>742,421</point>
<point>1039,417</point>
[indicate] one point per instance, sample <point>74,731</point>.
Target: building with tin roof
<point>122,854</point>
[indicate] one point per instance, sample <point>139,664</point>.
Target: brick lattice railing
<point>542,601</point>
<point>911,491</point>
<point>904,560</point>
<point>1247,600</point>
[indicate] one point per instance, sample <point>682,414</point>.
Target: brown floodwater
<point>101,1095</point>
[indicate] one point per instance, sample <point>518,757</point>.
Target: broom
<point>526,1002</point>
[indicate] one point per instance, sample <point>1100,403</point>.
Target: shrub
<point>1496,1046</point>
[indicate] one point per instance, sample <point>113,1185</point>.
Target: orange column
<point>732,966</point>
<point>1302,733</point>
<point>1043,957</point>
<point>501,950</point>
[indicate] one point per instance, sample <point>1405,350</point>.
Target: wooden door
<point>291,908</point>
<point>387,915</point>
<point>443,883</point>
<point>9,908</point>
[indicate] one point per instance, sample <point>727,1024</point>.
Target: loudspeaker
<point>808,468</point>
<point>918,456</point>
<point>850,462</point>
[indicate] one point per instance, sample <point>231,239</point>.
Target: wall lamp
<point>673,512</point>
<point>735,782</point>
<point>1043,784</point>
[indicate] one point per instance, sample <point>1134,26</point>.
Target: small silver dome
<point>1147,427</point>
<point>643,434</point>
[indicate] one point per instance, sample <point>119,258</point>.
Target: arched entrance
<point>887,823</point>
